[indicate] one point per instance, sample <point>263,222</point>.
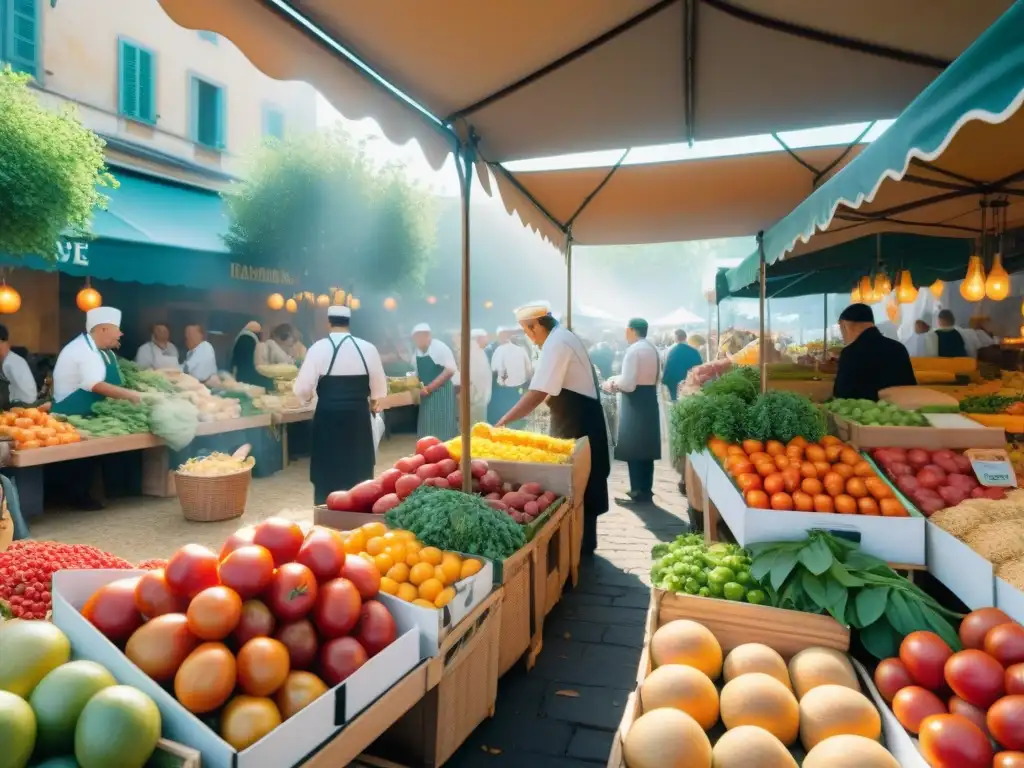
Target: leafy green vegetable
<point>458,522</point>
<point>743,382</point>
<point>987,403</point>
<point>780,415</point>
<point>114,418</point>
<point>825,574</point>
<point>142,380</point>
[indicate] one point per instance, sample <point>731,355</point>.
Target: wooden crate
<point>788,632</point>
<point>552,555</point>
<point>694,487</point>
<point>519,625</point>
<point>171,754</point>
<point>462,687</point>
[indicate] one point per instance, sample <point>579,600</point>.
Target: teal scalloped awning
<point>986,83</point>
<point>159,234</point>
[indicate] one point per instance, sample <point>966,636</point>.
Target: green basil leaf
<point>817,558</point>
<point>782,567</point>
<point>860,561</point>
<point>815,589</point>
<point>838,608</point>
<point>852,619</point>
<point>880,640</point>
<point>899,615</point>
<point>843,576</point>
<point>762,564</point>
<point>870,603</point>
<point>833,590</point>
<point>941,627</point>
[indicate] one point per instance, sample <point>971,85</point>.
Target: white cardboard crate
<point>965,573</point>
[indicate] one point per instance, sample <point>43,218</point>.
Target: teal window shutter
<point>273,123</point>
<point>208,114</point>
<point>210,37</point>
<point>137,86</point>
<point>19,35</point>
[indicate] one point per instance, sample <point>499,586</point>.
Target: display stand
<point>283,419</point>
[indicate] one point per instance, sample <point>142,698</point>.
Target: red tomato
<point>1006,722</point>
<point>1008,760</point>
<point>112,609</point>
<point>248,570</point>
<point>976,625</point>
<point>377,628</point>
<point>364,575</point>
<point>292,592</point>
<point>958,706</point>
<point>975,677</point>
<point>337,608</point>
<point>154,597</point>
<point>192,569</point>
<point>239,538</point>
<point>301,640</point>
<point>282,538</point>
<point>1005,644</point>
<point>913,704</point>
<point>1014,679</point>
<point>424,443</point>
<point>214,613</point>
<point>262,666</point>
<point>323,553</point>
<point>388,478</point>
<point>953,741</point>
<point>891,677</point>
<point>256,621</point>
<point>924,654</point>
<point>339,658</point>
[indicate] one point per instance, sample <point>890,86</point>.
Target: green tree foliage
<point>51,172</point>
<point>317,206</point>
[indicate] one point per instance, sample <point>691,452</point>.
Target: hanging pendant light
<point>292,306</point>
<point>855,297</point>
<point>10,300</point>
<point>323,301</point>
<point>937,289</point>
<point>906,293</point>
<point>892,310</point>
<point>354,304</point>
<point>867,291</point>
<point>390,304</point>
<point>997,284</point>
<point>339,296</point>
<point>275,301</point>
<point>973,286</point>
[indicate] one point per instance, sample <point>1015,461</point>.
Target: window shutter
<point>21,48</point>
<point>129,80</point>
<point>146,89</point>
<point>219,117</point>
<point>273,123</point>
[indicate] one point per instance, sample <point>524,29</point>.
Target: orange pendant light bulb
<point>882,285</point>
<point>339,297</point>
<point>10,300</point>
<point>291,306</point>
<point>906,293</point>
<point>867,291</point>
<point>855,295</point>
<point>973,286</point>
<point>937,289</point>
<point>275,301</point>
<point>390,304</point>
<point>87,298</point>
<point>323,300</point>
<point>997,284</point>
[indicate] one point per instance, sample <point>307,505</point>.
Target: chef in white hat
<point>86,370</point>
<point>347,376</point>
<point>512,369</point>
<point>566,379</point>
<point>438,375</point>
<point>479,376</point>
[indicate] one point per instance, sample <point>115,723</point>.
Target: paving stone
<point>581,671</point>
<point>597,707</point>
<point>629,636</point>
<point>591,588</point>
<point>635,598</point>
<point>570,629</point>
<point>478,758</point>
<point>599,655</point>
<point>526,735</point>
<point>599,614</point>
<point>520,694</point>
<point>586,598</point>
<point>591,744</point>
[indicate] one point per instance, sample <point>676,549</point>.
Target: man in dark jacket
<point>681,358</point>
<point>869,362</point>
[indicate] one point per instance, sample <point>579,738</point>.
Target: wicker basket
<point>209,499</point>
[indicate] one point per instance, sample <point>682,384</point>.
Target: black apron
<point>341,449</point>
<point>951,343</point>
<point>243,362</point>
<point>574,416</point>
<point>639,437</point>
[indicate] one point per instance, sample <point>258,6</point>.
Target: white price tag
<point>992,467</point>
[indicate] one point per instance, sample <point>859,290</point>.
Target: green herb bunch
<point>825,574</point>
<point>987,403</point>
<point>142,380</point>
<point>458,522</point>
<point>696,419</point>
<point>780,415</point>
<point>743,382</point>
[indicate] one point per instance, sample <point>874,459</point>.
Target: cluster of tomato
<point>827,476</point>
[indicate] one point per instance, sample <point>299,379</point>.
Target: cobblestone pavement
<point>563,713</point>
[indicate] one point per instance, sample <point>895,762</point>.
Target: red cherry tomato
<point>154,596</point>
<point>111,609</point>
<point>248,570</point>
<point>323,553</point>
<point>192,569</point>
<point>292,592</point>
<point>281,537</point>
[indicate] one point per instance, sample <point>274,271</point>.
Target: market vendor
<point>278,346</point>
<point>201,358</point>
<point>917,344</point>
<point>86,370</point>
<point>479,376</point>
<point>439,375</point>
<point>869,362</point>
<point>565,378</point>
<point>243,357</point>
<point>512,370</point>
<point>158,352</point>
<point>949,341</point>
<point>21,384</point>
<point>638,442</point>
<point>680,359</point>
<point>347,375</point>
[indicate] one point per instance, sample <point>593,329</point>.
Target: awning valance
<point>957,144</point>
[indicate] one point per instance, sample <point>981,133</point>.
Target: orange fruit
<point>755,499</point>
<point>412,558</point>
<point>803,502</point>
<point>406,536</point>
<point>845,505</point>
<point>431,555</point>
<point>388,585</point>
<point>424,603</point>
<point>446,596</point>
<point>399,572</point>
<point>868,506</point>
<point>774,484</point>
<point>863,469</point>
<point>717,446</point>
<point>420,573</point>
<point>815,453</point>
<point>368,558</point>
<point>430,589</point>
<point>407,592</point>
<point>892,508</point>
<point>823,503</point>
<point>753,446</point>
<point>781,501</point>
<point>441,576</point>
<point>384,562</point>
<point>375,545</point>
<point>452,568</point>
<point>392,536</point>
<point>355,543</point>
<point>731,449</point>
<point>397,551</point>
<point>412,545</point>
<point>856,488</point>
<point>774,448</point>
<point>370,530</point>
<point>845,471</point>
<point>850,456</point>
<point>470,567</point>
<point>811,485</point>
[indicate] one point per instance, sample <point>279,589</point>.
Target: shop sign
<point>260,275</point>
<point>75,254</point>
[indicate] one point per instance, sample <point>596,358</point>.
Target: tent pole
<point>464,159</point>
<point>568,281</point>
<point>762,351</point>
<point>707,344</point>
<point>718,331</point>
<point>824,335</point>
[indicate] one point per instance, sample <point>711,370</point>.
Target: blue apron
<point>80,402</point>
<point>438,416</point>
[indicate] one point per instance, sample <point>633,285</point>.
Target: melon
<point>666,738</point>
<point>750,747</point>
<point>18,731</point>
<point>31,650</point>
<point>850,752</point>
<point>686,642</point>
<point>684,688</point>
<point>761,700</point>
<point>834,710</point>
<point>756,657</point>
<point>821,666</point>
<point>120,726</point>
<point>59,699</point>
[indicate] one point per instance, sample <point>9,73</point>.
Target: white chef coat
<point>151,356</point>
<point>479,373</point>
<point>79,366</point>
<point>201,362</point>
<point>22,384</point>
<point>917,345</point>
<point>512,365</point>
<point>639,367</point>
<point>347,363</point>
<point>564,364</point>
<point>441,354</point>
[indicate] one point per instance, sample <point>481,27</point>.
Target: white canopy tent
<point>681,316</point>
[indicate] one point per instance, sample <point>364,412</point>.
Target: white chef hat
<point>477,333</point>
<point>337,310</point>
<point>101,316</point>
<point>532,311</point>
<point>421,328</point>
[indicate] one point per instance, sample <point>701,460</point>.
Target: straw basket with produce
<point>215,487</point>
